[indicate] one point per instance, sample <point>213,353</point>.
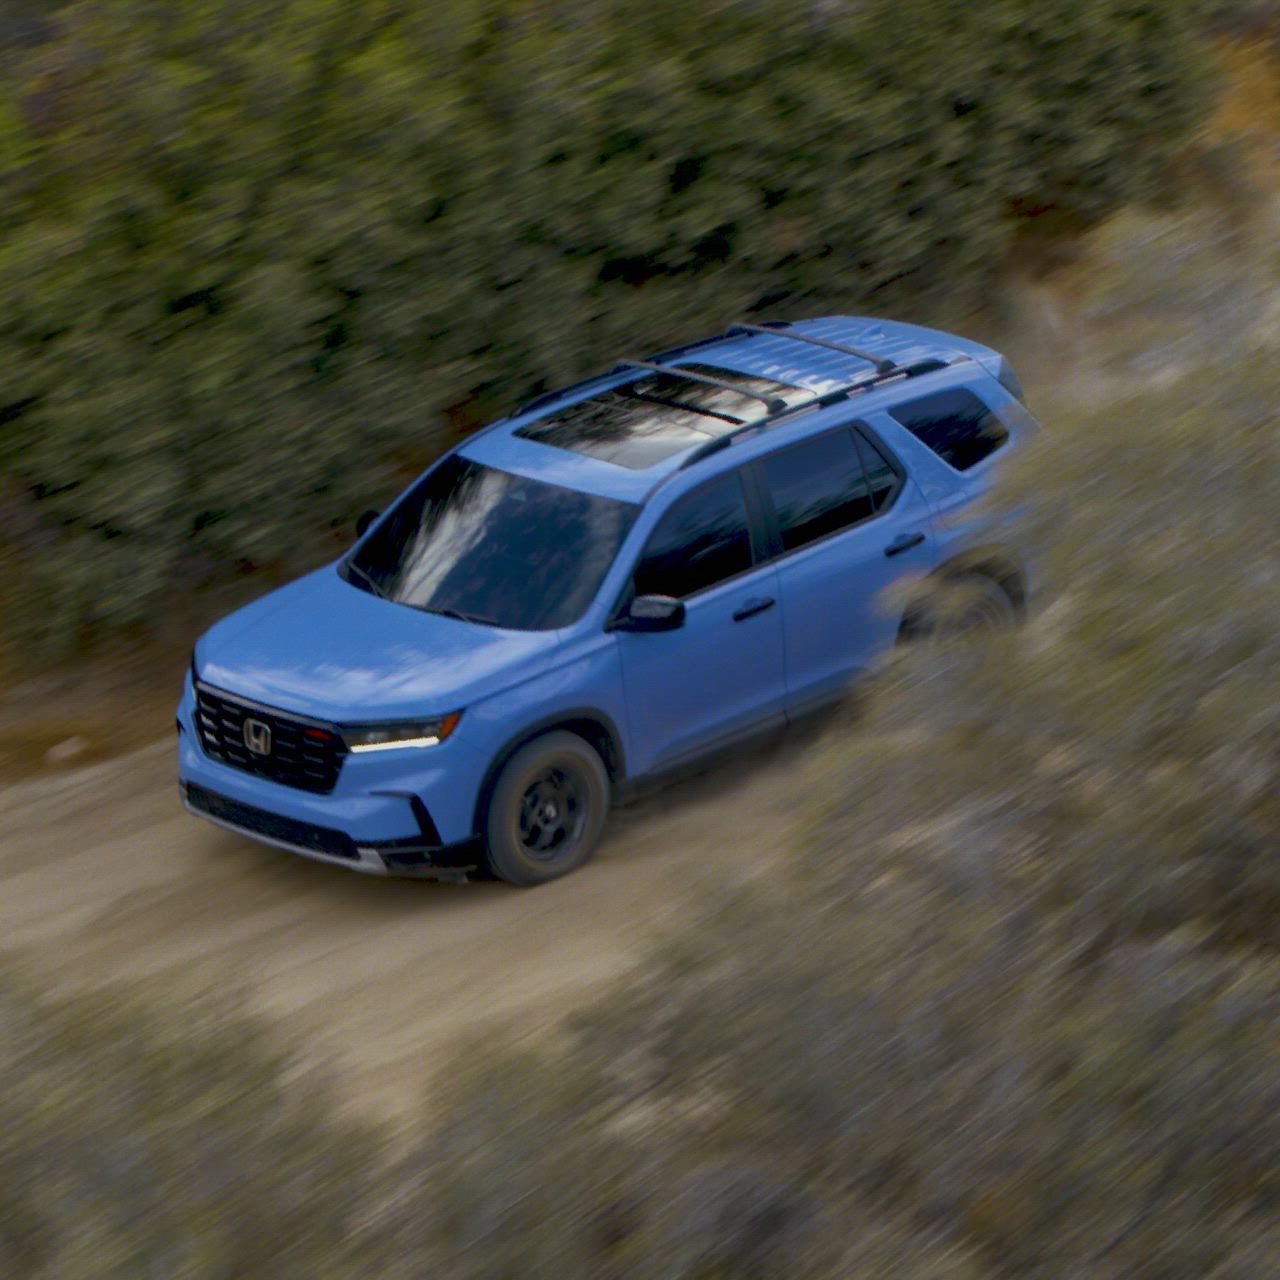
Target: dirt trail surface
<point>102,876</point>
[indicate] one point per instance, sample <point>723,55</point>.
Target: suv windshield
<point>485,546</point>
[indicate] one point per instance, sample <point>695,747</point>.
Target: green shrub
<point>1242,18</point>
<point>251,253</point>
<point>177,1139</point>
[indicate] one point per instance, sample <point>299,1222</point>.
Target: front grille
<point>300,753</point>
<point>274,826</point>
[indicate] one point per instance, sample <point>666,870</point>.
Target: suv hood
<point>325,648</point>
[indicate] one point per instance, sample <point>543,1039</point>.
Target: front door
<point>720,675</point>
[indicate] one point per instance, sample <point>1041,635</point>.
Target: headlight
<point>400,734</point>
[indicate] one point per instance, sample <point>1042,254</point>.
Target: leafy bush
<point>253,253</point>
<point>178,1139</point>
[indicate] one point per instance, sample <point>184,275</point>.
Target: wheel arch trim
<point>996,561</point>
<point>594,726</point>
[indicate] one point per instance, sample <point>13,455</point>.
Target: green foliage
<point>952,1069</point>
<point>139,1140</point>
<point>253,253</point>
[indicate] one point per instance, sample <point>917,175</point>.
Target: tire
<point>966,605</point>
<point>547,810</point>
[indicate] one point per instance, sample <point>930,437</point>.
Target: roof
<point>619,433</point>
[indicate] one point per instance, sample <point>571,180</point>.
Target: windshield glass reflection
<point>482,545</point>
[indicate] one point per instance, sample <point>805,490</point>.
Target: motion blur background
<point>1000,997</point>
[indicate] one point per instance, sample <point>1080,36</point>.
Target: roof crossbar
<point>774,404</point>
<point>699,409</point>
<point>781,329</point>
<point>818,402</point>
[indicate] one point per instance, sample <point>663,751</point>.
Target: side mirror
<point>364,520</point>
<point>651,613</point>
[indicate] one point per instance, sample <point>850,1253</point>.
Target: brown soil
<point>104,877</point>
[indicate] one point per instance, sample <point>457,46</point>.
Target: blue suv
<point>608,584</point>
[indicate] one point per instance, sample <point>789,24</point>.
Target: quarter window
<point>956,425</point>
<point>702,540</point>
<point>818,488</point>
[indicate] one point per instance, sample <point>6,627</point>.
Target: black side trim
<point>429,835</point>
<point>668,769</point>
<point>406,857</point>
<point>274,826</point>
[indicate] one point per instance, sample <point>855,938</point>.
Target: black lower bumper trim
<point>406,859</point>
<point>273,826</point>
<point>411,855</point>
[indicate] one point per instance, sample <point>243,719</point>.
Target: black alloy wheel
<point>547,809</point>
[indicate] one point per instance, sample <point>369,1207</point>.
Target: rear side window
<point>882,477</point>
<point>702,540</point>
<point>818,488</point>
<point>956,425</point>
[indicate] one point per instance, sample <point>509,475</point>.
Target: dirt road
<point>103,876</point>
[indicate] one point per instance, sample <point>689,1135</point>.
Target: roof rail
<point>774,404</point>
<point>544,398</point>
<point>782,329</point>
<point>824,401</point>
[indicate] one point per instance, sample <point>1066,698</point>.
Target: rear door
<point>848,525</point>
<point>720,675</point>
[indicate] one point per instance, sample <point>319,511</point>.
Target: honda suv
<point>608,584</point>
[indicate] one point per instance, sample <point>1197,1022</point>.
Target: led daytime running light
<point>401,736</point>
<point>393,745</point>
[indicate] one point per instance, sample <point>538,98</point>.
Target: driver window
<point>704,539</point>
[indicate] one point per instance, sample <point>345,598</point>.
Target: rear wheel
<point>965,605</point>
<point>547,810</point>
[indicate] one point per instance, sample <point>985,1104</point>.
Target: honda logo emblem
<point>257,737</point>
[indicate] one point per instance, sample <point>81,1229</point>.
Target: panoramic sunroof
<point>660,414</point>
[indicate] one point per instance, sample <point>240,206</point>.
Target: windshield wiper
<point>367,579</point>
<point>460,615</point>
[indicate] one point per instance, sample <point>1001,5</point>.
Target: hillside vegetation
<point>1017,1011</point>
<point>256,257</point>
<point>1015,1014</point>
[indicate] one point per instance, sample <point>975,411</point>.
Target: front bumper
<point>398,813</point>
<point>419,858</point>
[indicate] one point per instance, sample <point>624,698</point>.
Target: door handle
<point>903,542</point>
<point>752,607</point>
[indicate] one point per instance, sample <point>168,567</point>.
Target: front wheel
<point>547,810</point>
